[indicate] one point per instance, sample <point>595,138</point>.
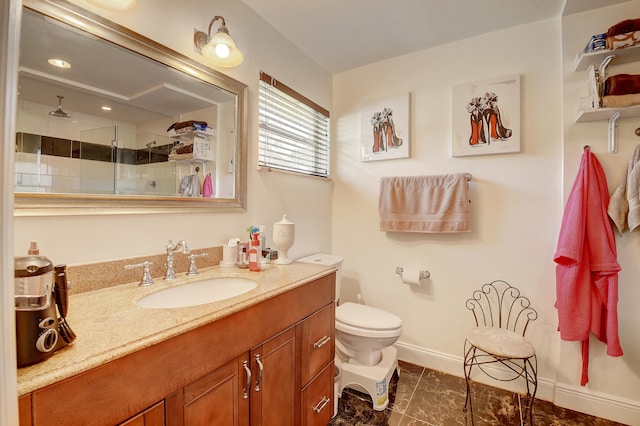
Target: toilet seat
<point>367,321</point>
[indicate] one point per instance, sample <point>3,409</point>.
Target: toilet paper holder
<point>423,272</point>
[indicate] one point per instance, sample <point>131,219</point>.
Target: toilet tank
<point>328,260</point>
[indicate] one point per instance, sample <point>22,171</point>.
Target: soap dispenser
<point>254,253</point>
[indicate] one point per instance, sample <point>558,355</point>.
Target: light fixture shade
<point>212,51</point>
<point>219,49</point>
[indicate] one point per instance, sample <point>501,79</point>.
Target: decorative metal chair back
<point>500,305</point>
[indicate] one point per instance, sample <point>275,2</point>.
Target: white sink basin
<point>198,293</point>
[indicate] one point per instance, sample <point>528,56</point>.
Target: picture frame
<point>486,117</point>
<point>385,128</point>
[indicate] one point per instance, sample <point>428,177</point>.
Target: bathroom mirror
<point>125,125</point>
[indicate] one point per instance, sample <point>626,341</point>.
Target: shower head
<point>150,144</point>
<point>59,112</point>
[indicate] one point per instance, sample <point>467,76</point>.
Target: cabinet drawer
<point>317,399</point>
<point>318,346</point>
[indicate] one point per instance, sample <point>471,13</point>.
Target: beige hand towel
<point>624,204</point>
<point>425,203</point>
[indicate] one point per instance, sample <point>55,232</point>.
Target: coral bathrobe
<point>586,265</point>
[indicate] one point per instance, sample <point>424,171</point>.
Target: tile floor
<point>424,397</point>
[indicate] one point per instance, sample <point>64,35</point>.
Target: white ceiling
<point>344,34</point>
<point>138,89</point>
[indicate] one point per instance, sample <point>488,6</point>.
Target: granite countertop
<point>109,324</point>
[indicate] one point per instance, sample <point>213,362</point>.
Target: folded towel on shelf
<point>429,204</point>
<point>626,26</point>
<point>190,125</point>
<point>620,41</point>
<point>622,84</point>
<point>177,157</point>
<point>624,204</point>
<point>621,101</point>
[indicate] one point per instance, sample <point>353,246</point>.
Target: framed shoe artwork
<point>385,128</point>
<point>486,117</point>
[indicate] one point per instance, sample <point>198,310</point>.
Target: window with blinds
<point>293,131</point>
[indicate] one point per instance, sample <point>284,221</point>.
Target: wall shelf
<point>604,114</point>
<point>622,56</point>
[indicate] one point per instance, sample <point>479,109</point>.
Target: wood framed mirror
<point>130,127</point>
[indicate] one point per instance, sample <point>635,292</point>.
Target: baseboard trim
<point>571,397</point>
<point>598,404</point>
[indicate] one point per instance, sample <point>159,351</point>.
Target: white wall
<point>306,201</point>
<point>513,196</point>
<point>517,202</point>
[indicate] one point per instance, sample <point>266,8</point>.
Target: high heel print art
<point>384,131</point>
<point>486,120</point>
<point>477,126</point>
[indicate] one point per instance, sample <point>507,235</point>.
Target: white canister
<point>284,234</point>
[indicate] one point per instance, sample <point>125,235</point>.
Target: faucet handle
<point>193,270</point>
<point>146,279</point>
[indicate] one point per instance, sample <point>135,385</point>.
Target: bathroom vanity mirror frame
<point>47,204</point>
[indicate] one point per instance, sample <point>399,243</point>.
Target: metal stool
<point>502,316</point>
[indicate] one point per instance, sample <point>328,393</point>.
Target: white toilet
<point>364,336</point>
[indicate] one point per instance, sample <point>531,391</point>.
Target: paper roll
<point>411,276</point>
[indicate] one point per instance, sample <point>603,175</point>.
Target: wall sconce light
<point>218,49</point>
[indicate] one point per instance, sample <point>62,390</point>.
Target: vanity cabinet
<point>268,364</point>
<point>268,385</point>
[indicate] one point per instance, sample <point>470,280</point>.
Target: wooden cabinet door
<point>24,410</point>
<point>273,389</point>
<point>153,416</point>
<point>214,399</point>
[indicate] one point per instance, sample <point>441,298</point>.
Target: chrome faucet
<point>170,274</point>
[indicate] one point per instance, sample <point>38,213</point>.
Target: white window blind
<point>293,131</point>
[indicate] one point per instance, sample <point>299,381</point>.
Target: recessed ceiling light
<point>59,63</point>
<point>106,108</point>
